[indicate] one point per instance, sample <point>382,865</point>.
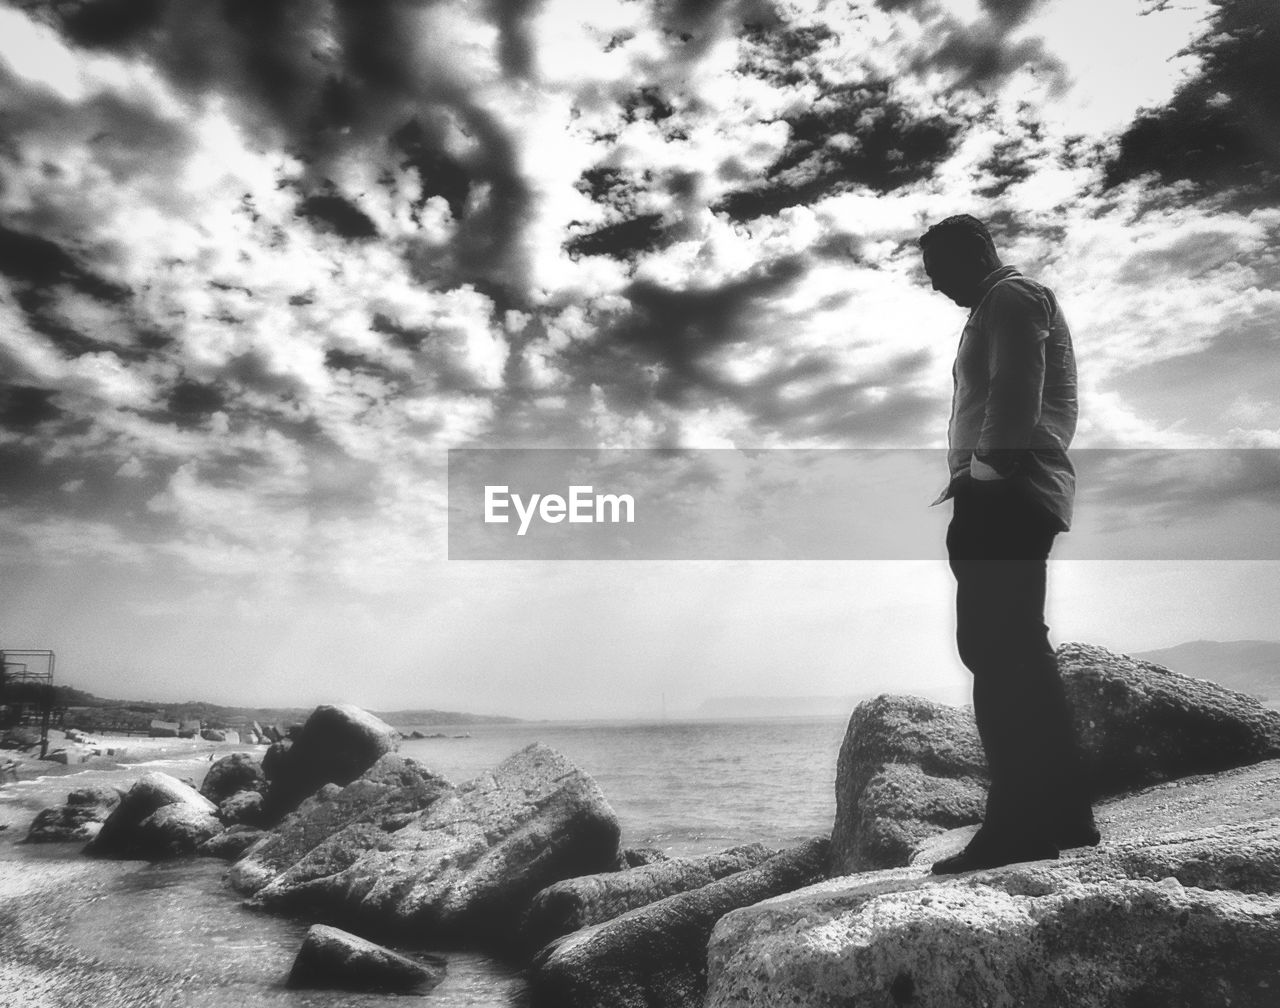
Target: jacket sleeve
<point>1017,329</point>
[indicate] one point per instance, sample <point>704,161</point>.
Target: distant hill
<point>1249,666</point>
<point>777,706</point>
<point>93,713</point>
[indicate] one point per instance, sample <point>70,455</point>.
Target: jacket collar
<point>994,277</point>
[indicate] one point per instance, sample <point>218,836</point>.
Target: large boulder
<point>656,956</point>
<point>1180,907</point>
<point>577,903</point>
<point>910,768</point>
<point>231,843</point>
<point>79,819</point>
<point>386,796</point>
<point>122,834</point>
<point>231,774</point>
<point>464,871</point>
<point>174,830</point>
<point>242,808</point>
<point>335,746</point>
<point>333,959</point>
<point>1140,723</point>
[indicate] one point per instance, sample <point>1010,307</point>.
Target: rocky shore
<point>393,865</point>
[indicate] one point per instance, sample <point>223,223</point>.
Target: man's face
<point>954,275</point>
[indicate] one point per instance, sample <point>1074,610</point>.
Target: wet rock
<point>213,735</point>
<point>230,844</point>
<point>121,834</point>
<point>174,830</point>
<point>390,792</point>
<point>80,819</point>
<point>232,774</point>
<point>638,857</point>
<point>333,959</point>
<point>577,903</point>
<point>464,871</point>
<point>243,807</point>
<point>1180,907</point>
<point>335,746</point>
<point>656,956</point>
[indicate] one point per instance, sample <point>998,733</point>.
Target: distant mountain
<point>1249,666</point>
<point>777,706</point>
<point>94,713</point>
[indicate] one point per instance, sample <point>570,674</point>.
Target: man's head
<point>958,255</point>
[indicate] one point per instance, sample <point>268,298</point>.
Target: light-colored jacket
<point>1014,405</point>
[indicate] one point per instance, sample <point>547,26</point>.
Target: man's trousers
<point>998,544</point>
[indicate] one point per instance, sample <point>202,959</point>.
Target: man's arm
<point>1017,329</point>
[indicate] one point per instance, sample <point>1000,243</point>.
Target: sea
<point>684,787</point>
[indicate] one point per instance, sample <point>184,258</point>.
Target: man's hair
<point>960,232</point>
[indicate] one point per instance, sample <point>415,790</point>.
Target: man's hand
<point>982,472</point>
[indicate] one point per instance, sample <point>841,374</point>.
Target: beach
<point>76,931</point>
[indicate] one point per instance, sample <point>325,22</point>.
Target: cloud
<point>1220,132</point>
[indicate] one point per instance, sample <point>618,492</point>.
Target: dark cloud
<point>1221,129</point>
<point>979,53</point>
<point>624,240</point>
<point>191,402</point>
<point>439,174</point>
<point>339,214</point>
<point>38,262</point>
<point>328,78</point>
<point>514,19</point>
<point>1171,484</point>
<point>854,136</point>
<point>23,407</point>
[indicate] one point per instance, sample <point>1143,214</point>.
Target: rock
<point>231,843</point>
<point>389,793</point>
<point>1140,723</point>
<point>464,871</point>
<point>243,807</point>
<point>20,738</point>
<point>577,903</point>
<point>232,774</point>
<point>335,746</point>
<point>1179,907</point>
<point>80,819</point>
<point>174,830</point>
<point>164,729</point>
<point>71,755</point>
<point>656,956</point>
<point>213,735</point>
<point>332,959</point>
<point>120,837</point>
<point>274,759</point>
<point>910,769</point>
<point>638,857</point>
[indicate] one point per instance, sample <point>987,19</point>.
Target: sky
<point>262,266</point>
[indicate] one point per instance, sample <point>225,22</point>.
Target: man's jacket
<point>1014,406</point>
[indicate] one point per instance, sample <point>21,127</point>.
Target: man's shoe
<point>982,853</point>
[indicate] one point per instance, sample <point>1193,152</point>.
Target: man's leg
<point>998,544</point>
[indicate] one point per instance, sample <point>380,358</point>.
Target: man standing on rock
<point>1012,418</point>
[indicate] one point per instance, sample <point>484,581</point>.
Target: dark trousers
<point>998,543</point>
